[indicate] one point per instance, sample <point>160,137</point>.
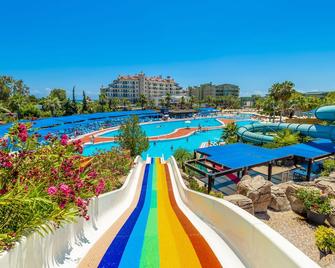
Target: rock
<point>326,185</point>
<point>258,190</point>
<point>331,217</point>
<point>291,194</point>
<point>295,203</point>
<point>241,201</point>
<point>279,201</point>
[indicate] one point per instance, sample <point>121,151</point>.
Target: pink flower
<point>52,190</point>
<point>87,217</point>
<point>62,204</point>
<point>92,174</point>
<point>23,136</point>
<point>100,187</point>
<point>48,136</point>
<point>64,139</point>
<point>80,184</point>
<point>22,127</point>
<point>65,189</point>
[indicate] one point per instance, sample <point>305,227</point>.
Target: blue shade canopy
<point>54,124</point>
<point>240,155</point>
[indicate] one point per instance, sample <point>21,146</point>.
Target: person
<point>171,147</point>
<point>209,143</point>
<point>186,139</point>
<point>155,143</point>
<point>92,138</point>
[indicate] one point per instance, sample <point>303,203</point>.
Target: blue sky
<point>88,43</point>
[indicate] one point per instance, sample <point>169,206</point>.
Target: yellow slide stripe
<point>175,248</point>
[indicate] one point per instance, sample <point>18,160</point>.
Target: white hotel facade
<point>132,86</point>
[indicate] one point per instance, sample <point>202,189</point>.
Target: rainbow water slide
<point>154,220</point>
<point>168,225</point>
<point>253,132</point>
<point>157,233</point>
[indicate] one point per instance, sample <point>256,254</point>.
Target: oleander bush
<point>325,239</point>
<point>112,166</point>
<point>43,183</point>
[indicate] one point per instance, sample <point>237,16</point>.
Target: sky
<point>59,44</point>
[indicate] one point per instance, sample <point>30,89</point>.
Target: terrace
<point>218,161</point>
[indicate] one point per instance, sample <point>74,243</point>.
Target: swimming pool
<point>167,147</point>
<point>162,128</point>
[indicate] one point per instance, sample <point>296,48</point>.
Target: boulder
<point>295,203</point>
<point>326,185</point>
<point>241,201</point>
<point>331,217</point>
<point>258,190</point>
<point>279,201</point>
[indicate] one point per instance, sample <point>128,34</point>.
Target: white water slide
<point>154,220</point>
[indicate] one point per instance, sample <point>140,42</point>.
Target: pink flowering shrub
<point>47,184</point>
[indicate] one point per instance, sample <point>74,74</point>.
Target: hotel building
<point>132,86</point>
<point>205,90</point>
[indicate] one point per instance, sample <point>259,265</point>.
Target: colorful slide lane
<point>157,233</point>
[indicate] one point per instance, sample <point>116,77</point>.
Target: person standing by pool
<point>92,139</point>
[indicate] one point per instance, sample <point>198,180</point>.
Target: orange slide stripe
<point>205,254</point>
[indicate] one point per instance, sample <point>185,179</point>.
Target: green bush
<point>328,167</point>
<point>229,133</point>
<point>182,155</point>
<point>314,201</point>
<point>325,239</point>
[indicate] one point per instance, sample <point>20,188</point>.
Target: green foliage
<point>58,93</point>
<point>112,166</point>
<point>113,104</point>
<point>328,167</point>
<point>9,87</point>
<point>325,239</point>
<point>84,108</point>
<point>42,186</point>
<point>194,185</point>
<point>23,211</point>
<point>143,101</point>
<point>53,105</point>
<point>182,155</point>
<point>167,100</point>
<point>314,201</point>
<point>229,133</point>
<point>132,137</point>
<point>284,137</point>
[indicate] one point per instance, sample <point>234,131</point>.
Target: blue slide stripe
<point>132,253</point>
<point>114,252</point>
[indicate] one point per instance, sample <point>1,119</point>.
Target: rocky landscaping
<point>284,208</point>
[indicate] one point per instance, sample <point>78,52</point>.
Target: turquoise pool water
<point>157,129</point>
<point>166,148</point>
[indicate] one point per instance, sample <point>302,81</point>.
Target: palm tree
<point>15,103</point>
<point>281,93</point>
<point>51,104</point>
<point>229,133</point>
<point>161,103</point>
<point>191,102</point>
<point>143,101</point>
<point>151,104</point>
<point>113,104</point>
<point>168,100</point>
<point>102,100</point>
<point>182,102</point>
